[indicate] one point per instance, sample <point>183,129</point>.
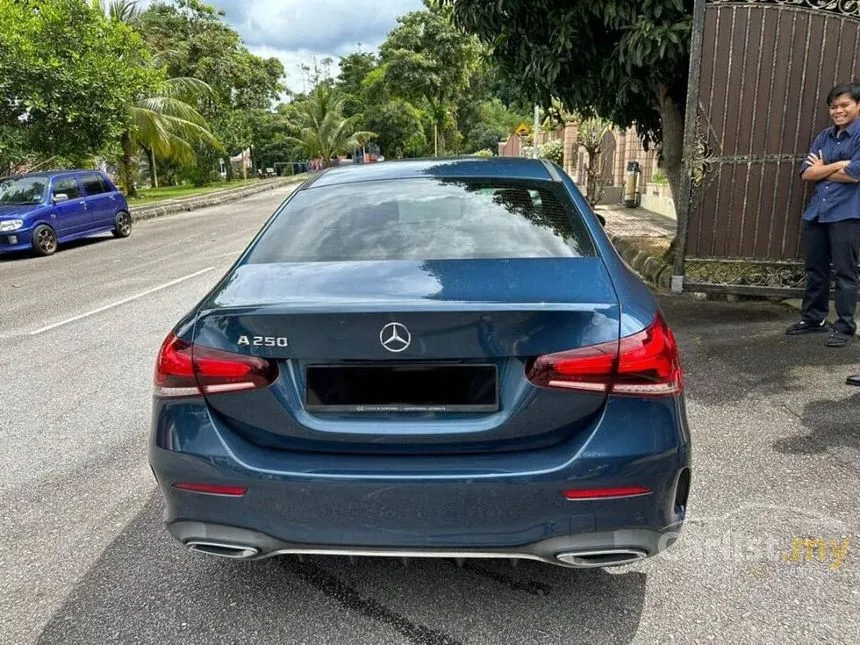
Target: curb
<point>170,207</point>
<point>653,269</point>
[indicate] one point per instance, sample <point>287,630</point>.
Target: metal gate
<point>759,72</point>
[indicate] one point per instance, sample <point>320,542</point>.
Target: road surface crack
<point>335,588</point>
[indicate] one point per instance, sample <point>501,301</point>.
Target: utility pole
<point>435,140</point>
<point>535,132</point>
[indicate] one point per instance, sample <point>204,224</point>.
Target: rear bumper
<point>584,550</point>
<point>497,505</point>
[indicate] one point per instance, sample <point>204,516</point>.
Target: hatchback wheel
<point>123,225</point>
<point>44,240</point>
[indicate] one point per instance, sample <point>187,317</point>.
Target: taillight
<point>648,363</point>
<point>183,369</point>
<point>174,372</point>
<point>644,364</point>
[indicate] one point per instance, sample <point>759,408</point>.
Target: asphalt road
<point>84,558</point>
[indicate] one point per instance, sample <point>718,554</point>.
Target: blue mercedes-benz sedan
<point>435,358</point>
<point>40,211</point>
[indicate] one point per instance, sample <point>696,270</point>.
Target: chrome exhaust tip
<point>222,550</point>
<point>601,558</point>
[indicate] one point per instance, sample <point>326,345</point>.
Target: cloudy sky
<point>297,30</point>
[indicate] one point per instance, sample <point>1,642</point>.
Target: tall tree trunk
<point>672,152</point>
<point>125,165</point>
<point>153,173</point>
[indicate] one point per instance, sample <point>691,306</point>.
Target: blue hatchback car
<point>39,211</point>
<point>435,358</point>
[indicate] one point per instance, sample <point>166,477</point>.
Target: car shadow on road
<point>731,351</point>
<point>832,424</point>
<point>147,588</point>
<point>64,247</point>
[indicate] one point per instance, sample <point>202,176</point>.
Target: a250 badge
<point>264,341</point>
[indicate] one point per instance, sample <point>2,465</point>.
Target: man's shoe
<point>853,380</point>
<point>838,339</point>
<point>805,327</point>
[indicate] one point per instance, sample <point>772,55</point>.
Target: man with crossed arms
<point>831,223</point>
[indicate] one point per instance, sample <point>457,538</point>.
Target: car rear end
<point>424,366</point>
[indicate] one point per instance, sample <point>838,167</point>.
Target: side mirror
<point>61,197</point>
<point>601,219</point>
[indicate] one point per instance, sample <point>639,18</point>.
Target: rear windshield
<point>424,219</point>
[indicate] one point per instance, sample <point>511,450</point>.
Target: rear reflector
<point>603,493</point>
<point>642,365</point>
<point>183,369</point>
<point>212,489</point>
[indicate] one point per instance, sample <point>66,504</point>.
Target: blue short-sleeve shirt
<point>834,201</point>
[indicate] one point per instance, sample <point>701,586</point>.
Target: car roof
<point>47,174</point>
<point>483,167</point>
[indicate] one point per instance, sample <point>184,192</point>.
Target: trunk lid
<point>445,340</point>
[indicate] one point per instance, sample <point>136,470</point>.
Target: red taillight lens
<point>218,371</point>
<point>645,364</point>
<point>212,489</point>
<point>183,369</point>
<point>587,368</point>
<point>648,363</point>
<point>174,371</point>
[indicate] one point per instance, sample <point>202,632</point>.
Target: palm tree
<point>165,126</point>
<point>121,10</point>
<point>321,130</point>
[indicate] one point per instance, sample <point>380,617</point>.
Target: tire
<point>123,225</point>
<point>44,240</point>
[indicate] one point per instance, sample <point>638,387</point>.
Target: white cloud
<point>323,25</point>
<point>296,31</point>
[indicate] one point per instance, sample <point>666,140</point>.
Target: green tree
<point>321,130</point>
<point>485,136</point>
<point>426,59</point>
<point>354,68</point>
<point>270,138</point>
<point>399,129</point>
<point>194,41</point>
<point>67,78</point>
<point>622,60</point>
<point>493,122</point>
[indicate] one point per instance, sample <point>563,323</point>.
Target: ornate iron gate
<point>759,72</point>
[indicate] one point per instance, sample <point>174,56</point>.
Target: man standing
<point>831,223</point>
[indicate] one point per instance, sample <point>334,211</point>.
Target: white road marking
<point>120,302</point>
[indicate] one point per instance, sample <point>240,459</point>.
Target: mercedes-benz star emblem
<point>395,337</point>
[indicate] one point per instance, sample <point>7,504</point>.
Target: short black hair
<point>852,89</point>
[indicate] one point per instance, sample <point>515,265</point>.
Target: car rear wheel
<point>123,225</point>
<point>44,240</point>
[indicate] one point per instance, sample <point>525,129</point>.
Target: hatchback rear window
<point>424,219</point>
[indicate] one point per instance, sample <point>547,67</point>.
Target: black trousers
<point>836,243</point>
